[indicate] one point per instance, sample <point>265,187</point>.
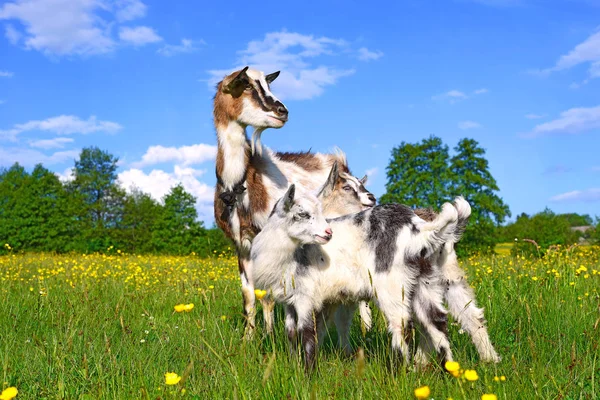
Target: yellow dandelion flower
<point>423,392</point>
<point>496,379</point>
<point>489,397</point>
<point>471,375</point>
<point>260,293</point>
<point>180,307</point>
<point>223,317</point>
<point>188,307</point>
<point>9,393</point>
<point>171,378</point>
<point>502,378</point>
<point>453,367</point>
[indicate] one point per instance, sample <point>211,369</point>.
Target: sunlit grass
<point>106,326</point>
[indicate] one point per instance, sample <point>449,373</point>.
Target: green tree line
<point>92,213</point>
<point>424,174</point>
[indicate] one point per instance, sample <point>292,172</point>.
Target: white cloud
<point>138,36</point>
<point>63,125</point>
<point>12,34</point>
<point>158,183</point>
<point>67,175</point>
<point>186,46</point>
<point>371,172</point>
<point>572,121</point>
<point>61,26</point>
<point>128,10</point>
<point>587,51</point>
<point>74,27</point>
<point>469,125</point>
<point>29,157</point>
<point>294,54</point>
<point>6,74</point>
<point>452,96</point>
<point>184,155</point>
<point>588,195</point>
<point>534,116</point>
<point>365,54</point>
<point>56,143</point>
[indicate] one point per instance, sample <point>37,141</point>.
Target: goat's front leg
<point>290,328</point>
<point>308,326</point>
<point>248,297</point>
<point>268,304</point>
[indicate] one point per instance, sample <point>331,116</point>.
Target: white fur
<point>342,270</point>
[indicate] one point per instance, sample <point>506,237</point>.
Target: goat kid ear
<point>329,185</point>
<point>271,77</point>
<point>288,198</point>
<point>364,179</point>
<point>237,83</point>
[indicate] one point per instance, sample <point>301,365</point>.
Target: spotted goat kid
<point>381,254</point>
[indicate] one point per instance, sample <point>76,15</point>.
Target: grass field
<point>89,327</point>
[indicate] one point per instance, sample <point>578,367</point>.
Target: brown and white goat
<point>249,183</point>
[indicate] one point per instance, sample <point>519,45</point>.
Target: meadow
<point>106,327</point>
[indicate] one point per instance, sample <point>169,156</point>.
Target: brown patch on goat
<point>306,160</point>
<point>426,213</point>
<point>259,198</point>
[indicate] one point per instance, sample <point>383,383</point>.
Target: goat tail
<point>464,212</point>
<point>442,229</point>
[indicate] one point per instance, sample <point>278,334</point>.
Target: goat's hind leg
<point>268,304</point>
<point>463,306</point>
<point>432,320</point>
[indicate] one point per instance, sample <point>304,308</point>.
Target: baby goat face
<point>304,220</point>
<point>247,97</point>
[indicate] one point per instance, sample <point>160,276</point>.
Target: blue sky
<point>137,79</point>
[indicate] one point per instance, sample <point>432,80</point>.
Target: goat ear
<point>288,198</point>
<point>271,77</point>
<point>364,179</point>
<point>239,81</point>
<point>329,185</point>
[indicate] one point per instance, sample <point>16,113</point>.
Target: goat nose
<point>282,111</point>
<point>329,231</point>
<point>371,197</point>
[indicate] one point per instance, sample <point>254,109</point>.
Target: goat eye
<point>347,188</point>
<point>304,215</point>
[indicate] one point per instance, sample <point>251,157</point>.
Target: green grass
<point>97,327</point>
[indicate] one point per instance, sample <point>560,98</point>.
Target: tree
<point>140,215</point>
<point>177,227</point>
<point>12,183</point>
<point>472,179</point>
<point>546,229</point>
<point>96,197</point>
<point>418,174</point>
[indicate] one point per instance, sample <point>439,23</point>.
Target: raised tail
<point>464,212</point>
<point>434,234</point>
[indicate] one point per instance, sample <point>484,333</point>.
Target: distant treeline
<point>424,174</point>
<point>91,213</point>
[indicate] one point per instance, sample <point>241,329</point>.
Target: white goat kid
<point>378,254</point>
